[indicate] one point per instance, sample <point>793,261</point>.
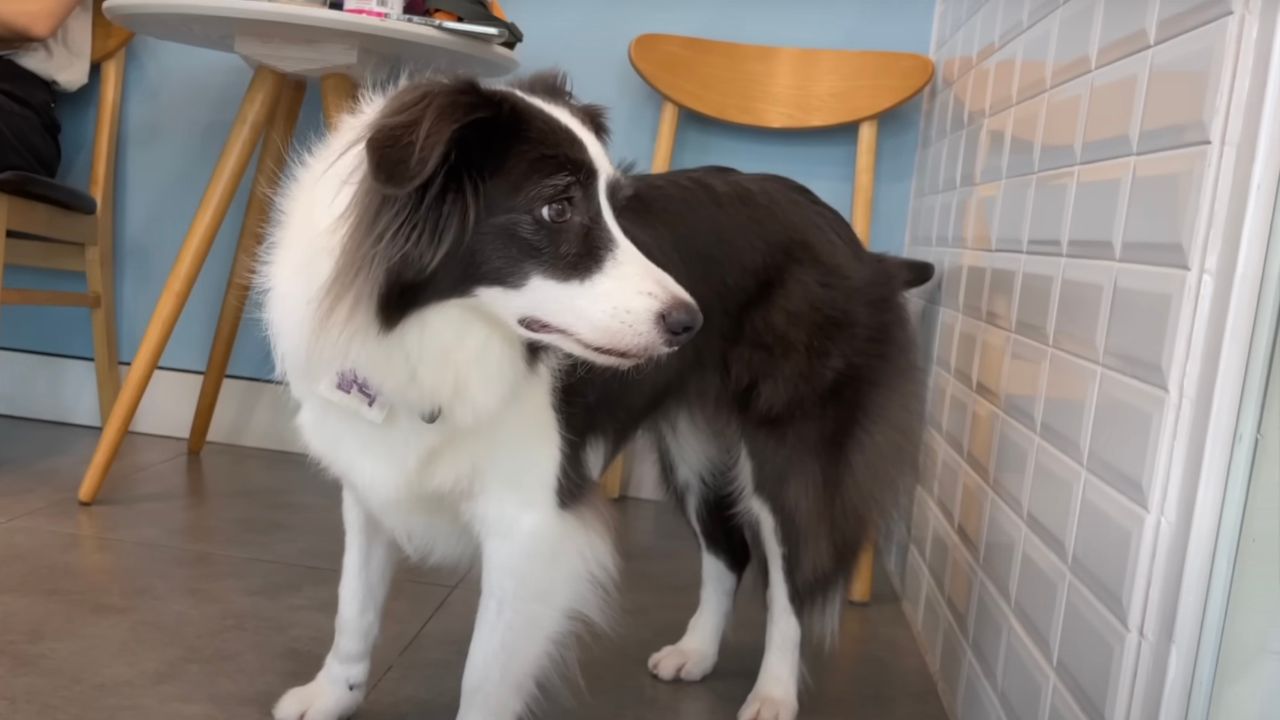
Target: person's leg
<point>28,126</point>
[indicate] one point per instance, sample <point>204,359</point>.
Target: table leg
<point>337,95</point>
<point>247,130</point>
<point>271,159</point>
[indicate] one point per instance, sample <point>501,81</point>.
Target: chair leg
<point>611,481</point>
<point>864,569</point>
<point>4,233</point>
<point>275,148</point>
<point>99,270</point>
<point>864,179</point>
<point>251,120</point>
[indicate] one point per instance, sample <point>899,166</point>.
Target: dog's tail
<point>912,273</point>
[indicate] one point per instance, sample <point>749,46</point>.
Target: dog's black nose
<point>680,322</point>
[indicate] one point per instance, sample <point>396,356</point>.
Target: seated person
<point>44,46</point>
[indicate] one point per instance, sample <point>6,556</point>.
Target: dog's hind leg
<point>544,568</point>
<point>368,563</point>
<point>776,692</point>
<point>710,502</point>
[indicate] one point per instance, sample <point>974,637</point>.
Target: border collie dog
<point>476,311</point>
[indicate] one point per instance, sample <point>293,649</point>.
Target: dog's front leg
<point>544,567</point>
<point>368,563</point>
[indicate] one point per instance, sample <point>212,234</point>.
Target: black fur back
<point>806,353</point>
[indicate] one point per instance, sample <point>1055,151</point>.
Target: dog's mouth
<point>538,326</point>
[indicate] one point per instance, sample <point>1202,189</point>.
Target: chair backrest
<point>109,41</point>
<point>775,87</point>
<point>782,89</point>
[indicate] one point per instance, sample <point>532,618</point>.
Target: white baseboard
<point>250,413</point>
<point>60,389</point>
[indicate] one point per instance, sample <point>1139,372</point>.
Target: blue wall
<point>179,104</point>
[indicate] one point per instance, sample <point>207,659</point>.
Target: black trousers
<point>28,127</point>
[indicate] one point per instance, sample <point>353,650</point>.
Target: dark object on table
<point>487,33</point>
<point>472,12</point>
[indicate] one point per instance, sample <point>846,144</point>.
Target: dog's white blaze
<point>619,306</point>
<point>595,149</point>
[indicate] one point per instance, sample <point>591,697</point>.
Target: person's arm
<point>28,21</point>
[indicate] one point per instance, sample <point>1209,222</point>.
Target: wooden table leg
<point>271,160</point>
<point>255,110</point>
<point>337,95</point>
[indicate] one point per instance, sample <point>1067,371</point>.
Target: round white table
<point>285,44</point>
<point>301,40</point>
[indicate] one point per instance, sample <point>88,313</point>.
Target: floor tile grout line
<point>136,471</point>
<point>419,581</point>
<point>150,466</point>
<point>220,553</point>
<point>205,551</point>
<point>413,639</point>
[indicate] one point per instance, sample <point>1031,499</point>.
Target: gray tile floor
<point>203,587</point>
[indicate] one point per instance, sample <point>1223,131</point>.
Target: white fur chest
<point>421,479</point>
<point>497,425</point>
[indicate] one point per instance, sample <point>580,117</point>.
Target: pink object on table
<point>374,8</point>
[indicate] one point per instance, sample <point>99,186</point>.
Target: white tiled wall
<point>1062,189</point>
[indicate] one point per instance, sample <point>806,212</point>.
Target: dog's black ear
<point>422,127</point>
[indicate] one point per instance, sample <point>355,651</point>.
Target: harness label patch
<point>355,393</point>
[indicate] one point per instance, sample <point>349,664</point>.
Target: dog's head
<point>502,195</point>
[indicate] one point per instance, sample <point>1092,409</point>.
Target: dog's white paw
<point>686,662</point>
<point>762,706</point>
<point>319,699</point>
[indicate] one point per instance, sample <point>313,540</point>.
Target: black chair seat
<point>49,192</point>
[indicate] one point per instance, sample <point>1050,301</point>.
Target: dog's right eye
<point>557,212</point>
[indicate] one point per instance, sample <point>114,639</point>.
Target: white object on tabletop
<point>301,40</point>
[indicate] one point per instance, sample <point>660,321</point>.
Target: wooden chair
<point>780,89</point>
<point>46,224</point>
